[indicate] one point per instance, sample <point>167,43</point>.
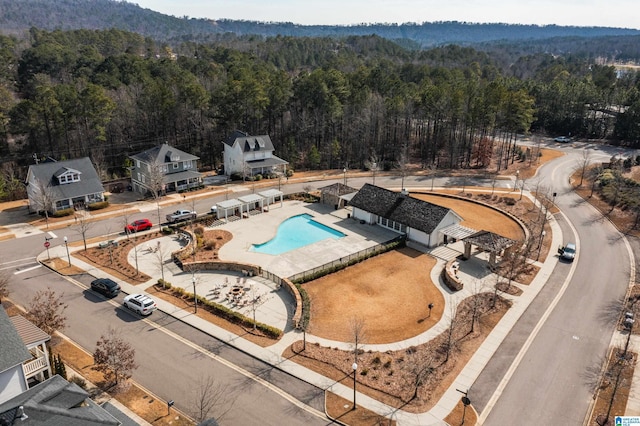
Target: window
<point>187,164</point>
<point>175,166</point>
<point>139,178</point>
<point>138,164</point>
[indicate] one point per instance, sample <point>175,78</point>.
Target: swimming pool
<point>295,232</point>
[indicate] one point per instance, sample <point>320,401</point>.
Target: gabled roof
<point>163,154</point>
<point>48,172</point>
<point>401,208</point>
<point>56,402</point>
<point>13,351</point>
<point>250,143</point>
<point>30,333</point>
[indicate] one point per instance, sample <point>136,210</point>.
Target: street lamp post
<point>355,368</point>
<point>542,234</point>
<point>465,401</point>
<point>195,296</point>
<point>345,176</point>
<point>373,168</point>
<point>66,244</point>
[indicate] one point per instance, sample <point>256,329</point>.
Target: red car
<point>138,225</point>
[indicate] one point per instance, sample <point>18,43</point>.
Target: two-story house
<point>24,358</point>
<point>164,169</point>
<point>251,155</point>
<point>57,185</point>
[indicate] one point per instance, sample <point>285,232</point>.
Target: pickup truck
<point>180,215</point>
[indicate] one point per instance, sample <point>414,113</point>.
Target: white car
<point>568,252</point>
<point>144,305</point>
<point>563,139</point>
<point>180,215</point>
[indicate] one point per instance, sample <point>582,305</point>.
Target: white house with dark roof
<point>179,170</point>
<point>58,185</point>
<point>251,155</point>
<point>421,221</point>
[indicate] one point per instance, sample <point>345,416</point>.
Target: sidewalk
<point>469,270</point>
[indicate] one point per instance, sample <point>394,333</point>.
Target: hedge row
<point>224,312</point>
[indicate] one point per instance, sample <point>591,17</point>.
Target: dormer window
<point>66,175</point>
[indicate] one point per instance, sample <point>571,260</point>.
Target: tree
<point>46,311</point>
<point>453,323</point>
<point>114,357</point>
<point>156,185</point>
<point>4,285</point>
<point>583,165</point>
<point>358,332</point>
<point>403,164</point>
<point>160,257</point>
<point>208,397</point>
<point>419,365</point>
<point>42,196</point>
<point>255,300</point>
<point>82,227</point>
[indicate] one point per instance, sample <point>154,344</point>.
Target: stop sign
<point>47,244</point>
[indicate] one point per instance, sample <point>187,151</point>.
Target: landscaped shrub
<point>167,230</point>
<point>289,172</point>
<point>306,307</point>
<point>63,212</point>
<point>199,231</point>
<point>164,284</point>
<point>99,205</point>
<point>258,177</point>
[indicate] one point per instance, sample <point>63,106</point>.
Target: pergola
<point>229,205</point>
<point>251,200</point>
<point>270,196</point>
<point>489,242</point>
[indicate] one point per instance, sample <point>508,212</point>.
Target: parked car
<point>563,139</point>
<point>568,252</point>
<point>105,286</point>
<point>180,215</point>
<point>214,210</point>
<point>144,305</point>
<point>138,225</point>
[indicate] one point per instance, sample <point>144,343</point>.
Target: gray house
<point>54,402</point>
<point>166,168</point>
<point>57,185</point>
<point>421,221</point>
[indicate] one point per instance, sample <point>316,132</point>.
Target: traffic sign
<point>47,244</point>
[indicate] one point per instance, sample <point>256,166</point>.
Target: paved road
<point>173,357</point>
<point>553,381</point>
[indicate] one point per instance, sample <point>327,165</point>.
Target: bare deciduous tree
<point>373,164</point>
<point>46,311</point>
<point>358,331</point>
<point>43,198</point>
<point>114,357</point>
<point>160,256</point>
<point>82,227</point>
<point>211,398</point>
<point>403,164</point>
<point>156,185</point>
<point>419,366</point>
<point>256,300</point>
<point>453,322</point>
<point>583,165</point>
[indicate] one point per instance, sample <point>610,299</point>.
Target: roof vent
<point>404,192</point>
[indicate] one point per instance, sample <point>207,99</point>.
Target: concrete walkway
<point>277,309</point>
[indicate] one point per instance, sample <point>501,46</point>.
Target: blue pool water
<point>296,232</point>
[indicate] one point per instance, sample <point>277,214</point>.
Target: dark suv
<point>105,286</point>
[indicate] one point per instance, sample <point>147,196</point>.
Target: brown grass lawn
<point>477,216</point>
<point>396,283</point>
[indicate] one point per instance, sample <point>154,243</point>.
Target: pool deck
<point>262,227</point>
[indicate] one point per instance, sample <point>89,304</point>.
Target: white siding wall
<point>363,215</point>
<point>12,383</point>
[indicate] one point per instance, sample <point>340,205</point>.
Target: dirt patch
<point>62,266</point>
<point>397,283</point>
<point>340,409</point>
<point>613,389</point>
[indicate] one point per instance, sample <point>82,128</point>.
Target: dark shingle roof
<point>90,182</point>
<point>12,349</point>
<point>409,211</point>
<point>488,241</point>
<point>56,402</point>
<point>162,154</point>
<point>338,189</point>
<point>250,143</point>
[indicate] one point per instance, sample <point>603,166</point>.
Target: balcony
<point>36,365</point>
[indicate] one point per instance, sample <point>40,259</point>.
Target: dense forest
<point>326,102</point>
